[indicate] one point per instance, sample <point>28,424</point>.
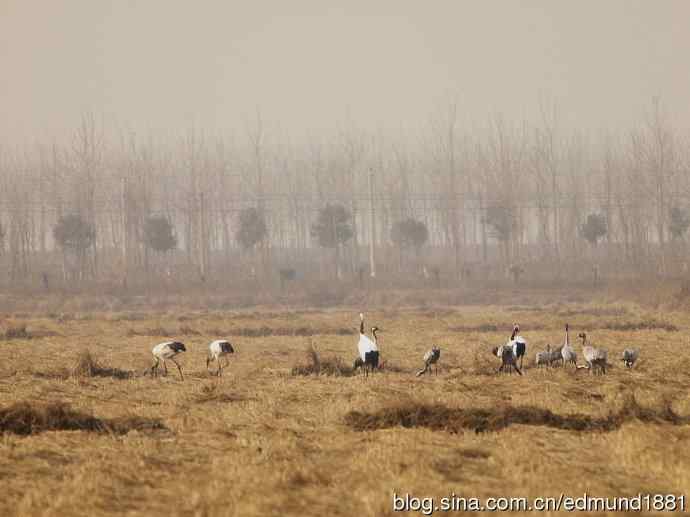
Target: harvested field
<point>291,429</point>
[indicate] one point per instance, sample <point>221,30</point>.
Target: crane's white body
<point>165,350</point>
<point>219,348</point>
<point>368,349</point>
<point>514,343</point>
<point>365,345</point>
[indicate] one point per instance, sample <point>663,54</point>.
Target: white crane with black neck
<point>217,350</point>
<point>518,343</point>
<point>163,352</point>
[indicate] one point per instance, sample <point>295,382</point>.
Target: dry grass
<point>214,393</point>
<point>287,431</point>
<point>86,365</point>
<point>313,364</point>
<point>648,324</point>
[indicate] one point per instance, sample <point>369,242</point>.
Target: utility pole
<point>372,237</point>
<point>202,231</point>
<point>125,267</point>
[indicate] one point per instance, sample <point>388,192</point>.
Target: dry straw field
<point>288,430</point>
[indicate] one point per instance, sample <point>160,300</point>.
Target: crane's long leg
<point>165,366</point>
<point>518,370</point>
<point>178,367</point>
<point>220,368</point>
<point>154,368</point>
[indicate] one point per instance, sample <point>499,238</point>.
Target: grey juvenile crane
<point>630,356</point>
<point>430,358</point>
<point>595,357</point>
<point>568,353</point>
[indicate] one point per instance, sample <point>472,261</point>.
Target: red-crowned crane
<point>218,349</point>
<point>368,349</point>
<point>519,344</point>
<point>513,350</point>
<point>163,352</point>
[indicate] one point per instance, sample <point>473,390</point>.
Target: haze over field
<point>168,66</point>
<point>457,141</point>
<point>332,202</point>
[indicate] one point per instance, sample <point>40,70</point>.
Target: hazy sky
<point>170,65</point>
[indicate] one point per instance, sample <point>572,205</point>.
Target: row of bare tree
<point>502,198</point>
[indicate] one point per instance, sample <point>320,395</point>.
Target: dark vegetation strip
<point>27,418</point>
<point>650,324</point>
<point>442,418</point>
<point>21,332</point>
<point>249,332</point>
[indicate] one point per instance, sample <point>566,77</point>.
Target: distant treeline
<point>509,202</point>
